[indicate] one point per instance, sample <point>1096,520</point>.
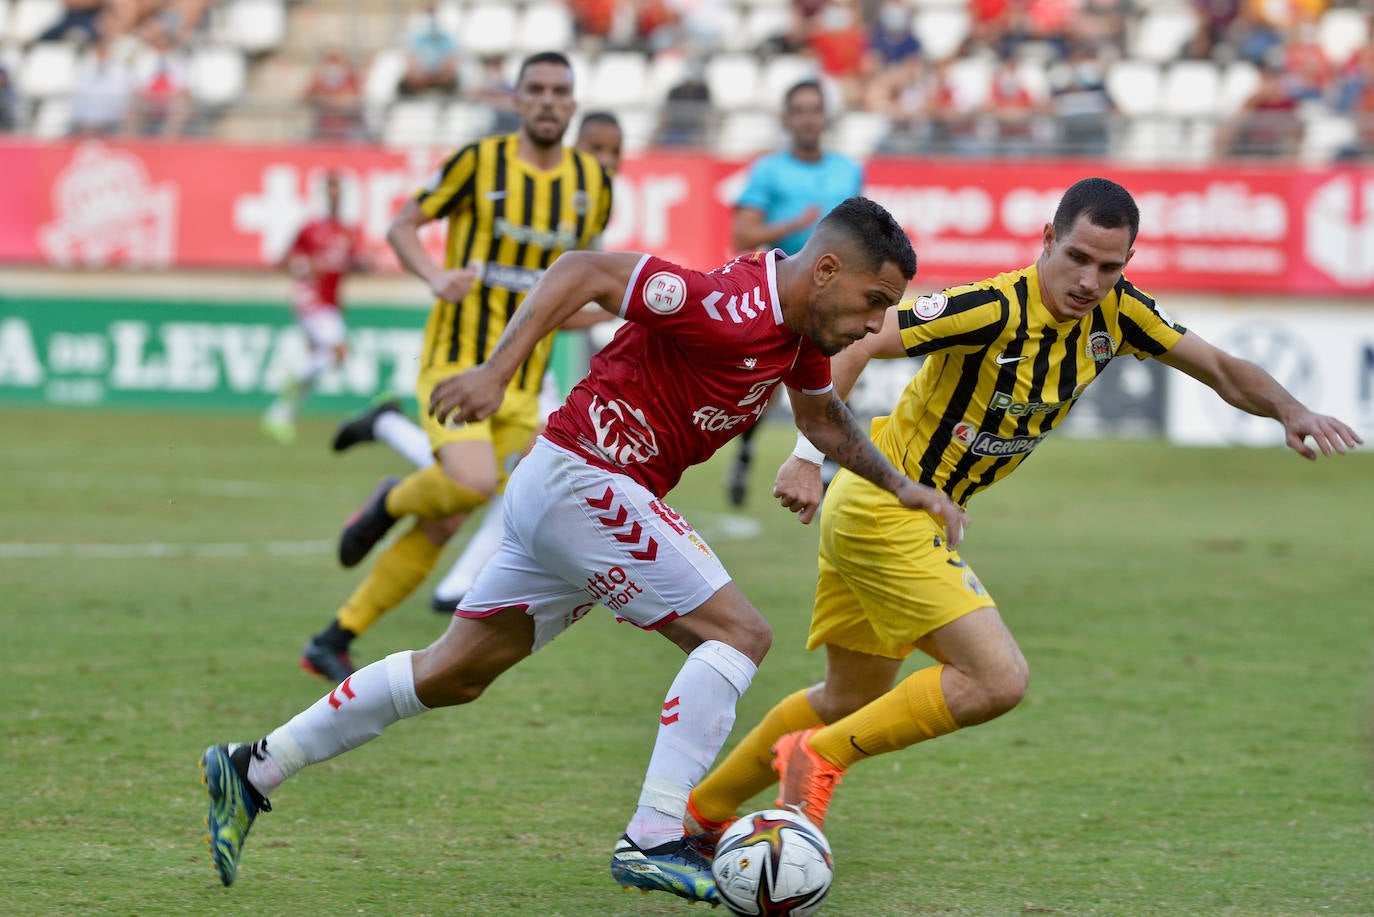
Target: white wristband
<point>807,452</point>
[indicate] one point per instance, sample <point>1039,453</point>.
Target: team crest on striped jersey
<point>1100,347</point>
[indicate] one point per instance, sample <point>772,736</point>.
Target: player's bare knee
<point>1006,687</point>
<point>440,531</point>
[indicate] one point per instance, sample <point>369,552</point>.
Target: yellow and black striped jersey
<point>511,220</point>
<point>1001,373</point>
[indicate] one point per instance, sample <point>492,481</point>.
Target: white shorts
<point>577,537</point>
<point>324,328</point>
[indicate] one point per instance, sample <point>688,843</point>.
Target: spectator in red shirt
<point>335,98</point>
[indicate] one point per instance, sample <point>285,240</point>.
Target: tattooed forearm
<point>841,438</point>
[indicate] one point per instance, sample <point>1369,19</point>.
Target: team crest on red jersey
<point>665,292</point>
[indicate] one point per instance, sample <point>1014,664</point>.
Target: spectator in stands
<point>1356,79</point>
<point>927,115</point>
<point>891,41</point>
<point>335,98</point>
<point>1216,29</point>
<point>1307,69</point>
<point>686,118</point>
<point>161,105</point>
<point>1361,109</point>
<point>839,42</point>
<point>1268,126</point>
<point>1098,22</point>
<point>431,57</point>
<point>8,113</point>
<point>103,86</point>
<point>593,21</point>
<point>495,90</point>
<point>78,20</point>
<point>1082,108</point>
<point>1010,114</point>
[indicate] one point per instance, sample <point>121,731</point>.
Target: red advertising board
<point>1274,230</point>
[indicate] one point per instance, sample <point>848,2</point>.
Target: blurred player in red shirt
<point>325,249</point>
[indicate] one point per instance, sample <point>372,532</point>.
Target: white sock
<point>479,549</point>
<point>405,436</point>
<point>355,712</point>
<point>697,715</point>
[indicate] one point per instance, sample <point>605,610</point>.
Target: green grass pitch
<point>1195,739</point>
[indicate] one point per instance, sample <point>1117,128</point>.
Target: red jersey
<point>692,369</point>
<point>332,248</point>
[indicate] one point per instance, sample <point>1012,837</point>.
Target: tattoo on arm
<point>852,448</point>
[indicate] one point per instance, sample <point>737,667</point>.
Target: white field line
<point>18,550</point>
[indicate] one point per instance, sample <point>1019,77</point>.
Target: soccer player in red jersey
<point>585,519</point>
<point>324,250</point>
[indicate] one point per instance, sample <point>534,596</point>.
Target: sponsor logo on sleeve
<point>928,307</point>
<point>664,293</point>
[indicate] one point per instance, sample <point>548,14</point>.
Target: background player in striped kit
<point>513,203</point>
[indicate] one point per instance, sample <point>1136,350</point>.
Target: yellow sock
<point>431,494</point>
<point>911,712</point>
<point>401,568</point>
<point>748,769</point>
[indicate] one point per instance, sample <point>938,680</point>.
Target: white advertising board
<point>1324,355</point>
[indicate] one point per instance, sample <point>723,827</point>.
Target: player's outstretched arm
<point>574,279</point>
<point>1244,385</point>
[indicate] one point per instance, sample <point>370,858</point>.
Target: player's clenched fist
<point>471,395</point>
<point>453,284</point>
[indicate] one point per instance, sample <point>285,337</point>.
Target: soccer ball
<point>771,863</point>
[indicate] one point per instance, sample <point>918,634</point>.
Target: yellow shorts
<point>887,577</point>
<point>510,430</point>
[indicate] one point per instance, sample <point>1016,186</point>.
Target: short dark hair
<point>1102,201</point>
<point>599,117</point>
<point>804,85</point>
<point>543,57</point>
<point>873,231</point>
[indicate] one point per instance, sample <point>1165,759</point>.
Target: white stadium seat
<point>53,119</point>
<point>1191,89</point>
<point>617,78</point>
<point>31,18</point>
<point>745,133</point>
<point>781,74</point>
<point>254,26</point>
<point>411,123</point>
<point>464,122</point>
<point>217,75</point>
<point>733,79</point>
<point>941,29</point>
<point>665,72</point>
<point>1343,31</point>
<point>383,76</point>
<point>1239,81</point>
<point>543,26</point>
<point>1162,33</point>
<point>489,29</point>
<point>858,133</point>
<point>49,69</point>
<point>1135,86</point>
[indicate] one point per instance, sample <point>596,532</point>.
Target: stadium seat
<point>48,70</point>
<point>411,123</point>
<point>1341,32</point>
<point>970,80</point>
<point>781,74</point>
<point>254,26</point>
<point>941,29</point>
<point>617,79</point>
<point>733,79</point>
<point>217,76</point>
<point>1134,86</point>
<point>544,25</point>
<point>489,29</point>
<point>1161,34</point>
<point>638,125</point>
<point>762,23</point>
<point>1239,81</point>
<point>1191,89</point>
<point>858,133</point>
<point>31,18</point>
<point>52,120</point>
<point>4,19</point>
<point>383,76</point>
<point>464,122</point>
<point>1324,133</point>
<point>746,133</point>
<point>665,72</point>
<point>1149,139</point>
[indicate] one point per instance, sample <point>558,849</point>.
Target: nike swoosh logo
<point>1003,359</point>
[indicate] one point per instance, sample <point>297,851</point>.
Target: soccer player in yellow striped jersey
<point>1005,360</point>
<point>512,203</point>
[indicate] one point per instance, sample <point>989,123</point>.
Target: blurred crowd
<point>1048,92</point>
